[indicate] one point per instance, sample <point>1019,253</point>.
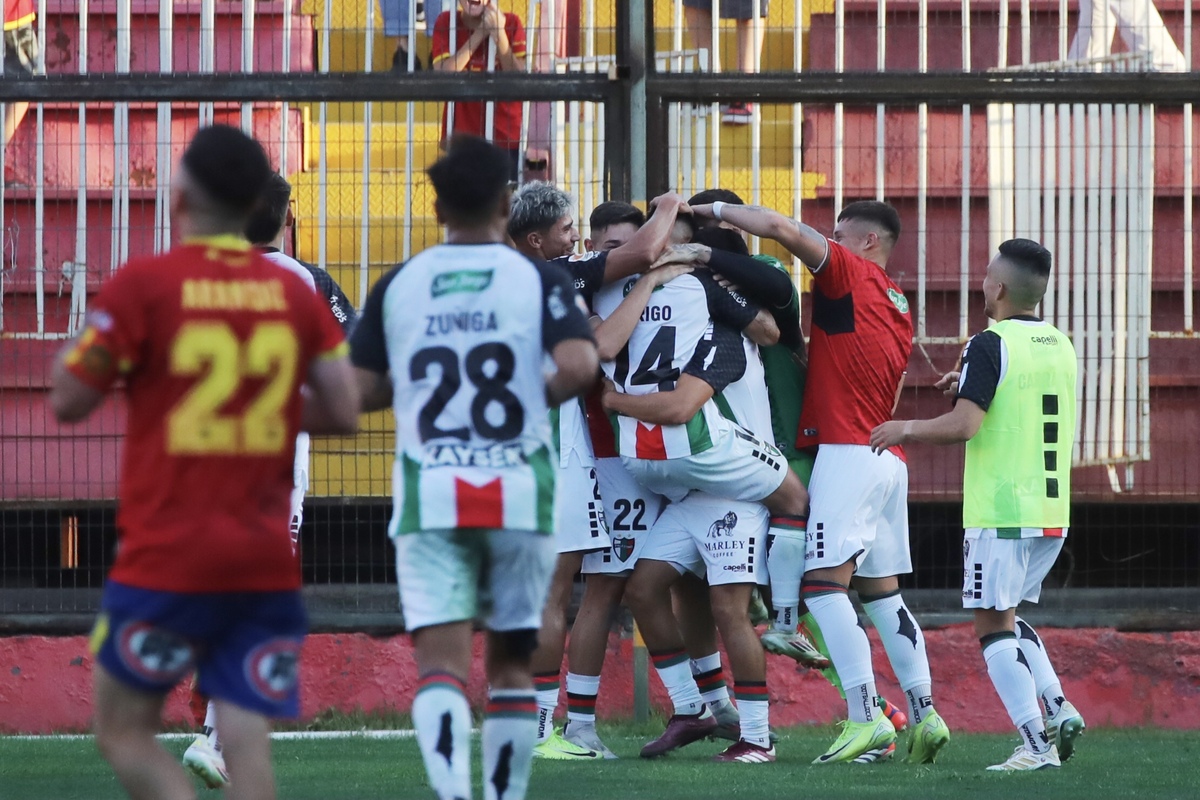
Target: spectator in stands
<point>20,58</point>
<point>749,41</point>
<point>398,23</point>
<point>485,39</point>
<point>1141,28</point>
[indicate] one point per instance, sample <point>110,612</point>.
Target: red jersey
<point>214,342</point>
<point>19,13</point>
<point>861,339</point>
<point>604,442</point>
<point>471,117</point>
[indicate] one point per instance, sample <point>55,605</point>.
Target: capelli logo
<point>1050,340</point>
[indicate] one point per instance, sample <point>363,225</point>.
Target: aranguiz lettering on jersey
<point>899,300</point>
<point>454,455</point>
<point>157,655</point>
<point>273,668</point>
<point>472,322</point>
<point>723,526</point>
<point>462,281</point>
<point>622,547</point>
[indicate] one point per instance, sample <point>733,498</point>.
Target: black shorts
<point>20,51</point>
<point>730,9</point>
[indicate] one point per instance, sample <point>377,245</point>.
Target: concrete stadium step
<point>389,144</point>
<point>62,44</point>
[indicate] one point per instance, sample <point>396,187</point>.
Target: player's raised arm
<point>648,243</point>
<point>802,241</point>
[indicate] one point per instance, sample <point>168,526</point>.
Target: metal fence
<point>976,123</point>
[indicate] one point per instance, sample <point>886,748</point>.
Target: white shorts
<point>497,576</point>
<point>724,541</point>
<point>631,510</point>
<point>858,511</point>
<point>1003,573</point>
<point>739,466</point>
<point>581,522</point>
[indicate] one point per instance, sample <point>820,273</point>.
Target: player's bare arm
<point>577,365</point>
<point>648,243</point>
<point>613,333</point>
<point>953,427</point>
<point>331,398</point>
<point>674,407</point>
<point>802,241</point>
<point>763,330</point>
<point>374,389</point>
<point>71,399</point>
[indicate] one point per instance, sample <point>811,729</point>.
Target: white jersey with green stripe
<point>463,331</point>
<point>675,322</point>
<point>570,435</point>
<point>745,401</point>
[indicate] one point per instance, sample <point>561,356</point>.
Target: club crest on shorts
<point>622,547</point>
<point>157,655</point>
<point>272,669</point>
<point>723,526</point>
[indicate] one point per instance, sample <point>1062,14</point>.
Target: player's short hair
<point>722,239</point>
<point>614,212</point>
<point>688,220</point>
<point>879,213</point>
<point>1028,255</point>
<point>269,217</point>
<point>715,195</point>
<point>229,167</point>
<point>470,179</point>
<point>536,206</point>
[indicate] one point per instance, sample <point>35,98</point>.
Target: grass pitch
<point>1109,764</point>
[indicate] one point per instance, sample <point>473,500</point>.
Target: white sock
<point>1014,683</point>
<point>442,718</point>
<point>849,648</point>
<point>546,685</point>
<point>676,674</point>
<point>710,679</point>
<point>905,646</point>
<point>210,726</point>
<point>509,734</point>
<point>785,566</point>
<point>1045,679</point>
<point>753,707</point>
<point>581,698</point>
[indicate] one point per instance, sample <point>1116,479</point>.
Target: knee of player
<point>509,656</point>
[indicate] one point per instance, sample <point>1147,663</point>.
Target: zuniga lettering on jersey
<point>465,280</point>
<point>472,321</point>
<point>454,455</point>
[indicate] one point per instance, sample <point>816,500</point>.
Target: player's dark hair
<point>689,220</point>
<point>1028,255</point>
<point>229,166</point>
<point>714,195</point>
<point>722,239</point>
<point>614,212</point>
<point>470,179</point>
<point>874,211</point>
<point>268,218</point>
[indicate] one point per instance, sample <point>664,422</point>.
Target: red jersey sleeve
<point>516,34</point>
<point>840,273</point>
<point>114,334</point>
<point>441,38</point>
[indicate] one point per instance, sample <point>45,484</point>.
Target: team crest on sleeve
<point>622,547</point>
<point>899,300</point>
<point>723,526</point>
<point>157,655</point>
<point>273,668</point>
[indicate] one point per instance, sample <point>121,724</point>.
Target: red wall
<point>1116,679</point>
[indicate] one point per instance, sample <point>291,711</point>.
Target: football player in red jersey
<point>861,339</point>
<point>213,343</point>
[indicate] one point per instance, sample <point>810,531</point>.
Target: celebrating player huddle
<point>646,413</point>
